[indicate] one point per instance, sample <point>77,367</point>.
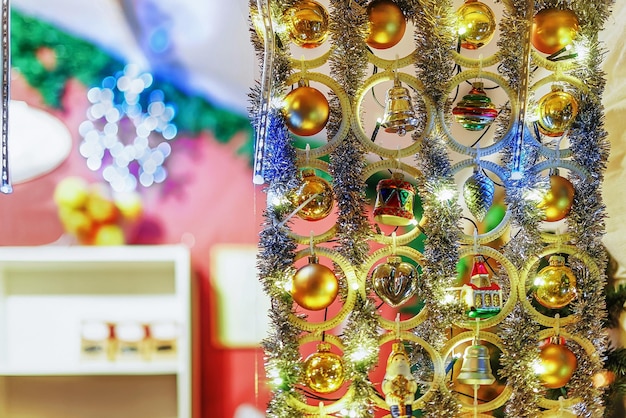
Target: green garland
<point>81,60</point>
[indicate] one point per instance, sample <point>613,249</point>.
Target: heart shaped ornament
<point>394,281</point>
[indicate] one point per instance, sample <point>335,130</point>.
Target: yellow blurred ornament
<point>108,234</point>
<point>557,364</point>
<point>319,194</point>
<point>555,285</point>
<point>307,22</point>
<point>129,205</point>
<point>557,111</point>
<point>323,370</point>
<point>557,201</point>
<point>76,222</point>
<point>306,110</point>
<point>476,24</point>
<point>554,29</point>
<point>387,24</point>
<point>71,192</point>
<point>314,286</point>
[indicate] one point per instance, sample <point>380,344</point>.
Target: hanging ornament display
<point>555,285</point>
<point>399,385</point>
<point>399,115</point>
<point>478,192</point>
<point>557,364</point>
<point>554,29</point>
<point>323,370</point>
<point>476,24</point>
<point>394,281</point>
<point>318,194</point>
<point>305,109</point>
<point>475,111</point>
<point>557,111</point>
<point>386,24</point>
<point>482,296</point>
<point>476,368</point>
<point>307,22</point>
<point>557,201</point>
<point>394,201</point>
<point>314,285</point>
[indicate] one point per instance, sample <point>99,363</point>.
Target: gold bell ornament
<point>399,115</point>
<point>399,385</point>
<point>555,285</point>
<point>476,368</point>
<point>394,201</point>
<point>323,370</point>
<point>315,193</point>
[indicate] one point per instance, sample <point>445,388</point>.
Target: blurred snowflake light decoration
<point>127,130</point>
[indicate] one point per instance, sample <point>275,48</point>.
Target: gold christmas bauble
<point>307,22</point>
<point>476,24</point>
<point>320,193</point>
<point>314,286</point>
<point>323,371</point>
<point>557,365</point>
<point>555,285</point>
<point>387,24</point>
<point>557,201</point>
<point>557,111</point>
<point>553,30</point>
<point>306,110</point>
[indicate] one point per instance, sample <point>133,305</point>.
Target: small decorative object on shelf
<point>555,285</point>
<point>478,192</point>
<point>163,340</point>
<point>323,370</point>
<point>557,364</point>
<point>557,201</point>
<point>394,201</point>
<point>314,285</point>
<point>476,25</point>
<point>399,117</point>
<point>387,24</point>
<point>95,341</point>
<point>315,193</point>
<point>482,296</point>
<point>395,281</point>
<point>132,341</point>
<point>557,111</point>
<point>554,29</point>
<point>305,109</point>
<point>475,111</point>
<point>399,385</point>
<point>307,21</point>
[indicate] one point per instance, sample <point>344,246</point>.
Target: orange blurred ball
<point>314,286</point>
<point>306,111</point>
<point>387,24</point>
<point>557,202</point>
<point>558,364</point>
<point>75,222</point>
<point>101,209</point>
<point>553,30</point>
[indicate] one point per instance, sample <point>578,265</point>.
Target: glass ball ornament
<point>307,22</point>
<point>475,111</point>
<point>555,285</point>
<point>386,24</point>
<point>305,110</point>
<point>557,111</point>
<point>318,192</point>
<point>557,364</point>
<point>314,286</point>
<point>323,370</point>
<point>553,29</point>
<point>394,281</point>
<point>476,24</point>
<point>557,201</point>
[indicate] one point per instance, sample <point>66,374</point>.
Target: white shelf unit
<point>46,294</point>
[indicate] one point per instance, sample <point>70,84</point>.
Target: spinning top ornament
<point>399,385</point>
<point>387,24</point>
<point>555,285</point>
<point>307,22</point>
<point>394,281</point>
<point>319,194</point>
<point>557,111</point>
<point>557,201</point>
<point>399,115</point>
<point>323,370</point>
<point>476,368</point>
<point>476,24</point>
<point>394,201</point>
<point>475,111</point>
<point>557,364</point>
<point>305,110</point>
<point>553,29</point>
<point>314,286</point>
